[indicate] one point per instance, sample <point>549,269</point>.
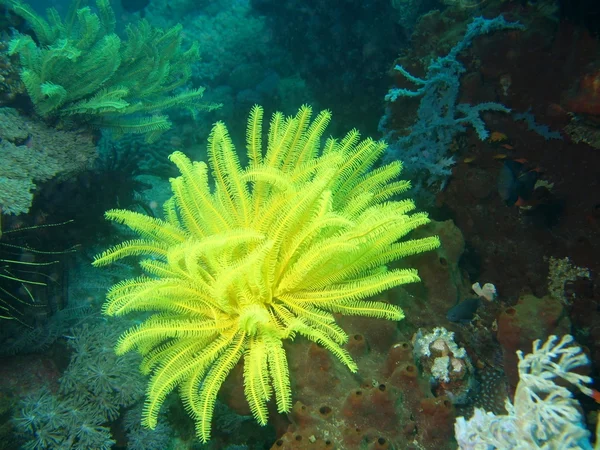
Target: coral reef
<point>447,365</point>
<point>140,438</point>
<point>96,384</point>
<point>85,197</point>
<point>440,118</point>
<point>560,220</point>
<point>32,153</point>
<point>456,354</point>
<point>587,99</point>
<point>233,38</point>
<point>444,284</point>
<point>387,404</point>
<point>526,321</point>
<point>544,413</point>
<point>11,85</point>
<point>561,272</point>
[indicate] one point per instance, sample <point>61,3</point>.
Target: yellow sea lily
<point>272,250</point>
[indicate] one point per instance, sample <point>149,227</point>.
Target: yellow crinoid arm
<point>254,136</point>
<point>256,379</point>
<point>280,376</point>
<point>354,290</point>
<point>148,227</point>
<point>135,247</point>
<point>193,199</point>
<point>205,400</point>
<point>230,188</point>
<point>177,365</point>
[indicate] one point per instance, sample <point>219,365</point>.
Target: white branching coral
<point>544,414</point>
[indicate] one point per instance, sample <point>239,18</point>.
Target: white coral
<point>544,415</point>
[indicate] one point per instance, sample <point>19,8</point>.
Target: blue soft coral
<point>439,117</point>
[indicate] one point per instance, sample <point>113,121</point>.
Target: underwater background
<point>269,224</point>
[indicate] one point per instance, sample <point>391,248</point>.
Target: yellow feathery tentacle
<point>256,384</point>
<point>134,295</point>
<point>188,208</point>
<point>391,189</point>
<point>274,128</point>
<point>295,278</point>
<point>169,373</point>
<point>170,212</point>
<point>363,308</point>
<point>279,371</point>
<point>254,136</point>
<point>292,217</point>
<point>313,136</point>
<point>147,227</point>
<point>355,289</point>
<point>217,156</point>
<point>226,166</point>
<point>158,268</point>
<point>407,248</point>
<point>303,119</point>
<point>355,166</point>
<point>174,368</point>
<point>154,357</point>
<point>159,328</point>
<point>319,319</point>
<point>373,182</point>
<point>280,147</point>
<point>197,192</point>
<point>215,377</point>
<point>134,247</point>
<point>348,143</point>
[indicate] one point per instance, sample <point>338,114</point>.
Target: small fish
<point>497,137</point>
<point>595,395</point>
<point>464,311</point>
<point>133,6</point>
<point>515,182</point>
